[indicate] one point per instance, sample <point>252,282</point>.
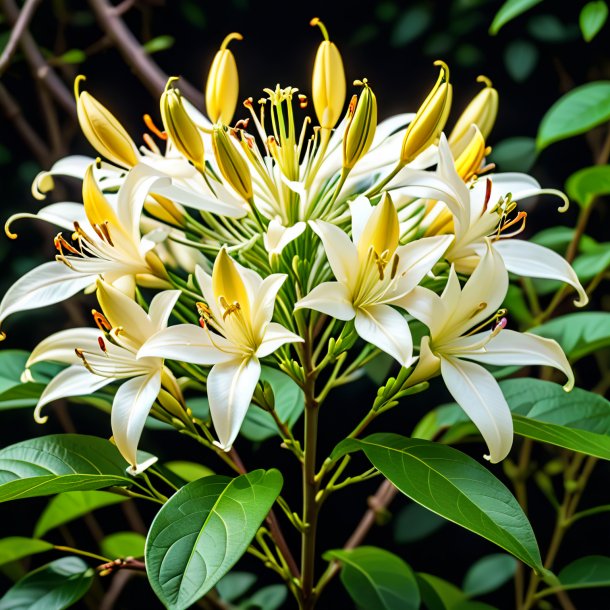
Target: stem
<point>69,549</point>
<point>21,24</point>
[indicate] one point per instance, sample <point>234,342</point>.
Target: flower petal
<point>230,389</point>
<point>275,336</point>
<point>161,308</point>
<point>278,236</point>
<point>426,306</point>
<point>59,347</point>
<point>331,298</point>
<point>262,301</point>
<point>361,210</point>
<point>130,409</point>
<point>340,251</point>
<point>479,394</point>
<point>385,328</point>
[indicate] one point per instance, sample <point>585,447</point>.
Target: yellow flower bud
<point>328,82</point>
<point>231,163</point>
<point>222,86</point>
<point>103,130</point>
<point>470,160</point>
<point>430,119</point>
<point>179,125</point>
<point>97,208</point>
<point>481,111</point>
<point>361,125</point>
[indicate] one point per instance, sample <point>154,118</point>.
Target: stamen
<point>499,315</point>
<point>229,308</point>
<point>203,310</point>
<point>152,127</point>
<point>394,266</point>
<point>106,231</point>
<point>302,100</point>
<point>480,307</point>
<point>60,243</point>
<point>101,321</point>
<point>150,143</point>
<point>102,344</point>
<point>488,186</point>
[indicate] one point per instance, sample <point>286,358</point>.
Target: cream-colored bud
<point>103,130</point>
<point>430,119</point>
<point>361,125</point>
<point>232,165</point>
<point>179,126</point>
<point>222,86</point>
<point>481,111</point>
<point>328,82</point>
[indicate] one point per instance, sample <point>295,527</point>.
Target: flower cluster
<point>220,244</point>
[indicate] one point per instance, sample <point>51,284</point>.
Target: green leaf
<point>55,586</point>
<point>592,18</point>
<point>549,28</point>
<point>592,571</point>
<point>376,578</point>
<point>17,547</point>
<point>410,25</point>
<point>455,486</point>
<point>414,522</point>
<point>71,505</point>
<point>488,574</point>
<point>515,154</point>
<point>57,463</point>
<point>588,183</point>
<point>267,598</point>
<point>576,112</point>
<point>160,43</point>
<point>558,238</point>
<point>438,594</point>
<point>520,59</point>
<point>202,530</point>
<point>188,471</point>
<point>12,364</point>
<point>73,56</point>
<point>579,334</point>
<point>508,11</point>
<point>123,544</point>
<point>234,585</point>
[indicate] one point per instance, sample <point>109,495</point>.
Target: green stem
<point>69,549</point>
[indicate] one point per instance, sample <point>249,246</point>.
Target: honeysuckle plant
<point>247,265</point>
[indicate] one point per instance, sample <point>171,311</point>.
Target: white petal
<point>510,347</point>
<point>44,285</point>
<point>131,406</point>
<point>278,236</point>
<point>275,336</point>
<point>479,394</point>
<point>385,328</point>
<point>262,302</point>
<point>161,308</point>
<point>331,298</point>
<point>59,347</point>
<point>76,380</point>
<point>230,389</point>
<point>427,307</point>
<point>533,260</point>
<point>341,252</point>
<point>361,210</point>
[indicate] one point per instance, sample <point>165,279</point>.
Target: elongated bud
<point>328,82</point>
<point>103,130</point>
<point>179,125</point>
<point>222,86</point>
<point>97,208</point>
<point>231,164</point>
<point>430,119</point>
<point>481,111</point>
<point>361,125</point>
<point>381,231</point>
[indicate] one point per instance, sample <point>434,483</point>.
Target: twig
<point>149,73</point>
<point>19,27</point>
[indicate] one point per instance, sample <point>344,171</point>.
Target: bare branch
<point>149,73</point>
<point>26,14</point>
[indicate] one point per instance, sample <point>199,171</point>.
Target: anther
<point>394,266</point>
<point>152,127</point>
<point>100,321</point>
<point>102,344</point>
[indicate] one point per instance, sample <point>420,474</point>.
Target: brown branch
<point>149,73</point>
<point>38,65</point>
<point>19,27</point>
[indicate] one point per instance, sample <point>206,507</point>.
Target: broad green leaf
<point>516,154</point>
<point>488,574</point>
<point>438,594</point>
<point>71,505</point>
<point>73,56</point>
<point>520,59</point>
<point>455,486</point>
<point>234,585</point>
<point>267,598</point>
<point>17,547</point>
<point>411,25</point>
<point>57,463</point>
<point>592,18</point>
<point>202,530</point>
<point>549,28</point>
<point>376,578</point>
<point>414,522</point>
<point>55,586</point>
<point>579,334</point>
<point>576,112</point>
<point>592,571</point>
<point>21,396</point>
<point>588,183</point>
<point>189,471</point>
<point>160,43</point>
<point>123,544</point>
<point>12,364</point>
<point>508,11</point>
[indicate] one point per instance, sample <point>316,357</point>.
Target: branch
<point>26,14</point>
<point>149,73</point>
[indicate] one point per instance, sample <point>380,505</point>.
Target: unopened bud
<point>179,126</point>
<point>222,86</point>
<point>103,130</point>
<point>97,208</point>
<point>328,82</point>
<point>361,125</point>
<point>481,111</point>
<point>232,165</point>
<point>430,119</point>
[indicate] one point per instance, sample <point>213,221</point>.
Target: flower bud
<point>180,127</point>
<point>222,86</point>
<point>470,160</point>
<point>103,130</point>
<point>381,231</point>
<point>430,119</point>
<point>328,82</point>
<point>232,165</point>
<point>481,111</point>
<point>361,125</point>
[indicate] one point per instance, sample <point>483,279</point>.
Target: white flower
<point>278,236</point>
